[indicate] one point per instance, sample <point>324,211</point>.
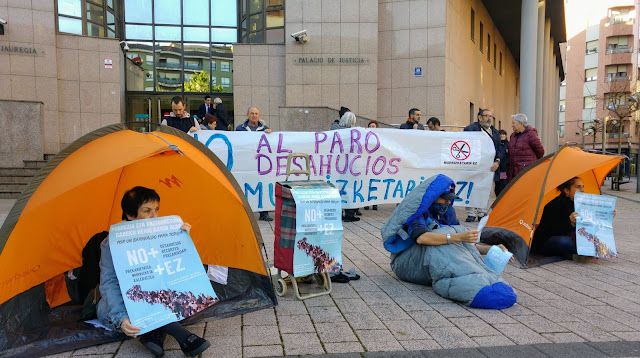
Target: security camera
<point>126,45</point>
<point>148,74</point>
<point>3,22</point>
<point>300,36</point>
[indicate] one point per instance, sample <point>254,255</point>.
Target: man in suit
<point>206,107</point>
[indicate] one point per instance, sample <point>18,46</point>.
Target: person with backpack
<point>139,203</point>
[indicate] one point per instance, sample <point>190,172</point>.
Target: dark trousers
<point>499,186</point>
<point>564,246</point>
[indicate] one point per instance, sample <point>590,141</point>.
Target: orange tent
<point>77,194</point>
<point>519,207</point>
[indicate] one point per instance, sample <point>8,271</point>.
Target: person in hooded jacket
<point>524,146</point>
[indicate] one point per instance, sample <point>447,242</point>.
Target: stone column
<point>528,44</point>
<point>547,80</point>
<point>540,62</point>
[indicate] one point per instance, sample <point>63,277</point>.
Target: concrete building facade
<point>71,66</point>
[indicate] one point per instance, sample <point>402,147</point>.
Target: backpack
<point>81,280</point>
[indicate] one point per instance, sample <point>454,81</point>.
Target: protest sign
<point>367,166</point>
<point>497,259</point>
<point>318,239</point>
<point>594,225</point>
<point>161,277</point>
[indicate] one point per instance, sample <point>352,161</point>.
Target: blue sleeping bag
<point>455,271</point>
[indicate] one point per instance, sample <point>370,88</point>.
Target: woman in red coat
<point>524,146</point>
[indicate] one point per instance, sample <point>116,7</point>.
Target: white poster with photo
<point>367,166</point>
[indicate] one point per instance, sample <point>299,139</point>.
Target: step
<point>18,171</point>
<point>15,178</point>
<point>9,194</point>
<point>12,186</point>
<point>35,163</point>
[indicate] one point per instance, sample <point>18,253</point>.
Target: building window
<point>562,105</point>
<point>261,21</point>
<point>500,63</point>
<point>618,44</point>
<point>473,25</point>
<point>592,47</point>
<point>214,80</point>
<point>621,15</point>
<point>481,37</point>
<point>589,102</point>
<point>561,129</point>
<point>224,66</point>
<point>472,116</point>
<point>488,47</point>
<point>495,63</point>
<point>87,17</point>
<point>181,41</point>
<point>616,100</point>
<point>591,74</point>
<point>616,73</point>
<point>225,82</point>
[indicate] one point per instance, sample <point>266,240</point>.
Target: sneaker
<point>349,219</point>
<point>358,212</point>
<point>471,219</point>
<point>153,341</point>
<point>194,345</point>
<point>375,207</point>
<point>366,208</point>
<point>265,217</point>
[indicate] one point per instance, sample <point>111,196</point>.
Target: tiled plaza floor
<point>564,309</point>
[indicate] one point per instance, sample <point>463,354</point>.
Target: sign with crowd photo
<point>161,277</point>
<point>367,166</point>
<point>594,225</point>
<point>318,239</point>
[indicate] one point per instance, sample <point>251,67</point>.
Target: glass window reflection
<point>70,7</point>
<point>95,13</point>
<point>255,23</point>
<point>199,34</point>
<point>275,36</point>
<point>168,33</point>
<point>140,66</point>
<point>255,6</point>
<point>168,66</point>
<point>196,12</point>
<point>223,13</point>
<point>167,12</point>
<point>224,35</point>
<point>95,30</point>
<point>139,32</point>
<point>137,11</point>
<point>70,26</point>
<point>196,68</point>
<point>275,18</point>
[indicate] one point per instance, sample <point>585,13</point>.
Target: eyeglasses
<point>487,115</point>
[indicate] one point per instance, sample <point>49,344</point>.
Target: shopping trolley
<point>285,231</point>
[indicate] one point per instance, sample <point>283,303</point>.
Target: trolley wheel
<point>321,280</point>
<point>281,287</point>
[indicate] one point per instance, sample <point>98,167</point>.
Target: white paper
<point>497,259</point>
<point>481,225</point>
<point>218,274</point>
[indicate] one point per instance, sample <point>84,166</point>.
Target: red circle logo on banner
<point>460,150</point>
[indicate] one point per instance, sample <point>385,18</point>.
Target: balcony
<point>168,66</point>
<point>619,50</point>
<point>621,19</point>
<point>169,82</point>
<point>616,78</point>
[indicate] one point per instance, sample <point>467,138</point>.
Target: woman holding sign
<point>139,203</point>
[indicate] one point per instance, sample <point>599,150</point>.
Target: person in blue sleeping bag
<point>429,247</point>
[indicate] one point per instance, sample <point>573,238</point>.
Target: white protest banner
<point>367,166</point>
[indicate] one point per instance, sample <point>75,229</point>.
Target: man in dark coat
<point>413,122</point>
<point>484,125</point>
<point>205,107</point>
<point>221,113</point>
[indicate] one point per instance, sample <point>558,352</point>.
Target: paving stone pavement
<point>564,309</point>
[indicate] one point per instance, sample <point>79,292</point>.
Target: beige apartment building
<point>71,66</point>
<point>601,75</point>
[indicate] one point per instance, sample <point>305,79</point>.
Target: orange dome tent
<point>77,194</point>
<point>518,209</point>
